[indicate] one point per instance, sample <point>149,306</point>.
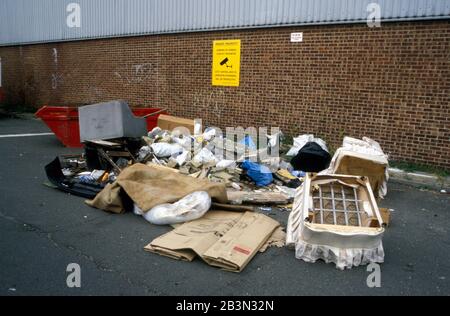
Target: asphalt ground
<point>42,230</point>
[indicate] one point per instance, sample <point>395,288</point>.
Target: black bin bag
<point>311,158</point>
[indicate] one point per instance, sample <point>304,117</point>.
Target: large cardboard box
<point>228,240</point>
<point>168,122</point>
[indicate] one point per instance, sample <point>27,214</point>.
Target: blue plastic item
<point>297,173</point>
<point>258,173</point>
<point>248,142</point>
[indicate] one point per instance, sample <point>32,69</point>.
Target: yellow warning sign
<point>226,63</point>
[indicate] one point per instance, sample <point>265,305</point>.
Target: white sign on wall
<point>297,37</point>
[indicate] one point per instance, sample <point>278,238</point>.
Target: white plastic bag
<point>184,141</point>
<point>274,140</point>
<point>157,131</point>
<point>191,207</point>
<point>182,158</point>
<point>209,134</point>
<point>204,156</point>
<point>225,164</point>
<point>162,150</point>
<point>144,152</point>
<point>301,141</point>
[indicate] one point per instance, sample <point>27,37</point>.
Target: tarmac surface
<point>42,230</point>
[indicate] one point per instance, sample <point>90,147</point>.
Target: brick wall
<point>391,84</point>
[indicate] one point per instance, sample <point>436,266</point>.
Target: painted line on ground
<point>25,135</point>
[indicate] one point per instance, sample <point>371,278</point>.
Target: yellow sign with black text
<point>226,63</point>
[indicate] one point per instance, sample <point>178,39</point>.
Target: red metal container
<point>2,95</point>
<point>63,121</point>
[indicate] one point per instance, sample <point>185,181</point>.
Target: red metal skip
<point>63,121</point>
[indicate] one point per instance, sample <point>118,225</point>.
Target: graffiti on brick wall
<point>210,102</point>
<point>55,56</point>
<point>215,102</point>
<point>56,76</point>
<point>135,73</point>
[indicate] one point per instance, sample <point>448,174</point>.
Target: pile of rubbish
<point>215,190</point>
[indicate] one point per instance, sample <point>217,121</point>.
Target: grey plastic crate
<point>109,120</point>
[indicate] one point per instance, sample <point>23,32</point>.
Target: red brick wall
<point>391,84</point>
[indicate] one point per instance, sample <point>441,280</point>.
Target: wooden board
<point>251,197</point>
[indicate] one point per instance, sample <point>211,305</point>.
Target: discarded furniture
<point>362,158</point>
<point>336,218</point>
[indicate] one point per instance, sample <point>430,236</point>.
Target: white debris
<point>274,139</point>
<point>224,164</point>
<point>204,156</point>
<point>162,150</point>
<point>236,186</point>
<point>144,152</point>
<point>184,141</point>
<point>191,207</point>
<point>157,131</point>
<point>182,158</point>
<point>209,134</point>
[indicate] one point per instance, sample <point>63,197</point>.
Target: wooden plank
<point>113,164</point>
<point>116,153</point>
<point>344,229</point>
<point>251,197</point>
<point>105,143</point>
